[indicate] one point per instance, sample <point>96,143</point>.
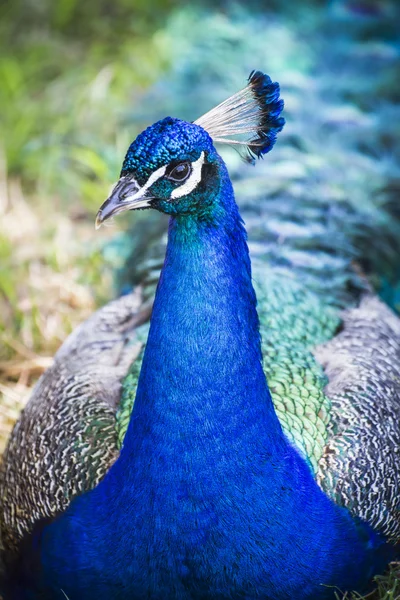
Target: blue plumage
<point>208,497</point>
<point>161,143</point>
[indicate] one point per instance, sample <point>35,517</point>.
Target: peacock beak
<point>126,195</point>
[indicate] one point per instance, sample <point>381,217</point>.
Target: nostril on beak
<point>128,190</point>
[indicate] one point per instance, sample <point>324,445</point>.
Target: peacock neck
<point>202,370</point>
<point>207,496</point>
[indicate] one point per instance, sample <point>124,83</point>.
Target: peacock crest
<point>250,118</point>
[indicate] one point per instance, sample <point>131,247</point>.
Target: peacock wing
<point>67,437</point>
<point>360,465</point>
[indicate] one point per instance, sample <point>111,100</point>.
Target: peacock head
<point>173,166</point>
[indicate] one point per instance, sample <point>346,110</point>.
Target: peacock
<point>151,460</point>
<point>232,495</point>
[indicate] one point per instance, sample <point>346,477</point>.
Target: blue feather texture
<point>208,498</point>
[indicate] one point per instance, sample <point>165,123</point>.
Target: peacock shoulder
<point>67,437</point>
<point>359,468</point>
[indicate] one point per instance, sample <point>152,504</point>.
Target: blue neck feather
<point>204,329</point>
<point>207,499</point>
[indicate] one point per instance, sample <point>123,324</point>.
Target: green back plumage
<point>292,322</point>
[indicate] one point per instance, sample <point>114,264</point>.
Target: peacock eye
<point>180,172</point>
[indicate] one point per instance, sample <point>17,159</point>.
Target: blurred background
<point>79,80</point>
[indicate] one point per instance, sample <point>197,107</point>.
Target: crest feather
<point>249,118</point>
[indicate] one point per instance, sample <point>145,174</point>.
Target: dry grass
<point>44,291</point>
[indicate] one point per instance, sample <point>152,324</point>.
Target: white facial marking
<point>192,182</point>
<point>183,190</point>
<point>153,177</point>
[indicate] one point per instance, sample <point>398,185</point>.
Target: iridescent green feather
<point>127,399</point>
<point>129,387</point>
<point>292,321</point>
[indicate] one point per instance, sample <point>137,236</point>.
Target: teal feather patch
<point>128,398</point>
<point>292,321</point>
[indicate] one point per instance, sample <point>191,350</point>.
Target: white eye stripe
<point>192,182</point>
<point>152,179</point>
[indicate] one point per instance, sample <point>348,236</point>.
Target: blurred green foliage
<point>68,72</point>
